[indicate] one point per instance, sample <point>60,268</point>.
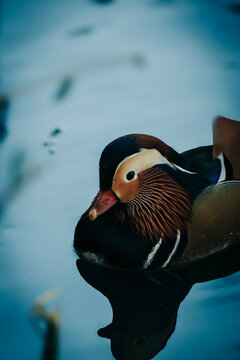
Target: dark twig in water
<point>81,31</point>
<point>19,177</point>
<point>64,88</point>
<point>56,131</point>
<point>51,320</point>
<point>79,71</point>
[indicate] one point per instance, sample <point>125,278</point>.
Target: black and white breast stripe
<point>159,247</point>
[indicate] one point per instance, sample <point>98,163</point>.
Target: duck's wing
<point>197,159</point>
<point>196,170</point>
<point>226,140</point>
<point>208,165</point>
<point>214,226</point>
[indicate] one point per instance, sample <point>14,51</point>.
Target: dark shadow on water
<point>80,31</point>
<point>236,348</point>
<point>1,13</point>
<point>234,7</point>
<point>56,132</point>
<point>163,2</point>
<point>64,88</point>
<point>231,65</point>
<point>103,2</point>
<point>145,304</point>
<point>144,308</point>
<point>224,299</point>
<point>4,108</point>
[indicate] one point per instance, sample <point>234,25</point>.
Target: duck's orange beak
<point>106,199</point>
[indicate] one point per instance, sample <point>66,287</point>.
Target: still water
<point>74,76</point>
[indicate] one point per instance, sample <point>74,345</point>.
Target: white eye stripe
<point>183,170</point>
<point>143,160</point>
<point>163,160</point>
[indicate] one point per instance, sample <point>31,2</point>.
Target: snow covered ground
<point>96,72</point>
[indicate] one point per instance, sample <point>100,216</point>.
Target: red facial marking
<point>105,200</point>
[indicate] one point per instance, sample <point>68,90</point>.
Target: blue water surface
<point>78,74</point>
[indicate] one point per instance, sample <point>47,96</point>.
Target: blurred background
<point>74,75</point>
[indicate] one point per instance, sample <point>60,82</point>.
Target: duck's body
<point>138,219</point>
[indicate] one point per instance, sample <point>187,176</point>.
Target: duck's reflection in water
<point>144,309</point>
<point>145,304</point>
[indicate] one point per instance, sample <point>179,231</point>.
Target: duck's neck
<point>160,209</point>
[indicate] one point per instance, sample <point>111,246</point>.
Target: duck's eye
<point>130,175</point>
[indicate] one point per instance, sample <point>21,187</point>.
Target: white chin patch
<point>90,256</point>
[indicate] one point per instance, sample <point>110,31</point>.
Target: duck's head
<point>137,186</point>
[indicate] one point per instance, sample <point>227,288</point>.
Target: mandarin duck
<point>140,217</point>
<point>139,335</point>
